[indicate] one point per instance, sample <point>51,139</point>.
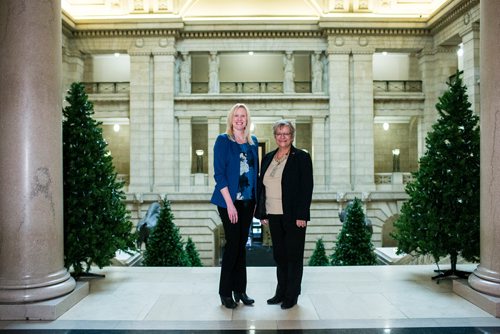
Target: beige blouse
<point>272,182</point>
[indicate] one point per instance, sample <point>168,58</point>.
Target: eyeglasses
<point>284,134</point>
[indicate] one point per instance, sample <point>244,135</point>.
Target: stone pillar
<point>213,73</point>
<point>318,151</point>
<point>339,139</point>
<point>288,73</point>
<point>470,40</point>
<point>163,122</point>
<point>141,121</point>
<point>362,146</point>
<point>31,234</point>
<point>213,132</point>
<point>436,65</point>
<point>185,153</point>
<point>486,278</point>
<point>317,73</point>
<point>185,73</point>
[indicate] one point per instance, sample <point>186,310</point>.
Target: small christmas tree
<point>192,254</point>
<point>165,247</point>
<point>318,257</point>
<point>441,216</point>
<point>96,222</point>
<point>354,246</point>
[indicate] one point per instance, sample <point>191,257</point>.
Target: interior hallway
<point>160,298</point>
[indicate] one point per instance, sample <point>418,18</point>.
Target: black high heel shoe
<point>228,302</point>
<point>243,297</point>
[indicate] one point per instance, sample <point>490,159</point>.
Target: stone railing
<point>393,178</point>
<point>398,86</point>
<point>250,87</point>
<point>106,87</point>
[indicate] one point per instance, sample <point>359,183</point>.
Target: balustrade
<point>397,86</point>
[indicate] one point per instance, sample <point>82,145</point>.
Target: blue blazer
<point>227,167</point>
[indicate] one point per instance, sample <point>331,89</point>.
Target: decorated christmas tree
<point>441,217</point>
<point>165,247</point>
<point>318,257</point>
<point>96,222</point>
<point>354,246</point>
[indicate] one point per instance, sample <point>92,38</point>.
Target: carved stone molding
<point>377,31</point>
<point>126,33</point>
<point>251,34</point>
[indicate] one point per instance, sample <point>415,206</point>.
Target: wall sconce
<point>395,160</point>
<point>199,161</point>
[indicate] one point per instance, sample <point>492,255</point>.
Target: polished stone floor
<point>364,299</point>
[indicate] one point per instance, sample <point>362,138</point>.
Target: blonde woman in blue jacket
<point>236,167</point>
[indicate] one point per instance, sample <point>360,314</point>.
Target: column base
<point>486,302</point>
<point>45,310</point>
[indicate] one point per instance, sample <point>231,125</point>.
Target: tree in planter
<point>441,216</point>
<point>318,257</point>
<point>354,246</point>
<point>165,247</point>
<point>96,222</point>
<point>192,254</point>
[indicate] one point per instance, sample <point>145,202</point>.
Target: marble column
<point>339,138</point>
<point>141,121</point>
<point>164,171</point>
<point>486,278</point>
<point>318,153</point>
<point>362,147</point>
<point>213,132</point>
<point>31,234</point>
<point>471,41</point>
<point>288,73</point>
<point>185,153</point>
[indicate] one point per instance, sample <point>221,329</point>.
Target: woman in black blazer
<point>284,199</point>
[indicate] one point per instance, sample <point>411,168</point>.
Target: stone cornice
<point>126,33</point>
<point>378,31</point>
<point>446,16</point>
<point>250,34</point>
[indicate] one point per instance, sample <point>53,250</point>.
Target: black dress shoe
<point>243,297</point>
<point>288,303</point>
<point>228,302</point>
<point>275,300</point>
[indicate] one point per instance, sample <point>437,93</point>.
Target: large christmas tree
<point>96,222</point>
<point>441,217</point>
<point>165,247</point>
<point>354,246</point>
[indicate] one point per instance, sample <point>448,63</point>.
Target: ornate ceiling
<point>246,10</point>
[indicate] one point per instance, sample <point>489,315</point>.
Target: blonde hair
<point>229,125</point>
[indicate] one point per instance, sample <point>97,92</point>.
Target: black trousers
<point>233,274</point>
<point>288,252</point>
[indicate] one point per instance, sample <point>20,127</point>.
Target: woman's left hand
<point>301,223</point>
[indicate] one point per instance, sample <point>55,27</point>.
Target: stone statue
<point>289,73</point>
<point>185,73</point>
<point>343,216</point>
<point>147,223</point>
<point>213,73</point>
<point>317,73</point>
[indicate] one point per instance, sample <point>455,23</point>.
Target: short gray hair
<point>282,123</point>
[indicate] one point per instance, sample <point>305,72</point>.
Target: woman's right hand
<point>232,213</point>
<point>264,221</point>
